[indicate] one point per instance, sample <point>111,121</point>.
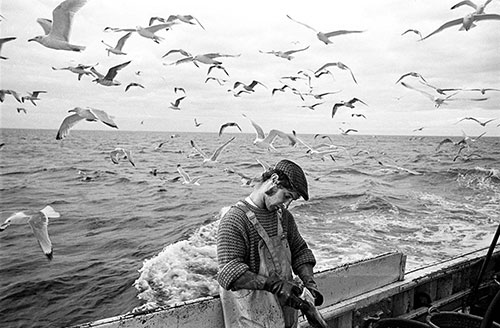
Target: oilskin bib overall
<point>247,308</point>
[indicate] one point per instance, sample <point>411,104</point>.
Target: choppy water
<point>127,238</point>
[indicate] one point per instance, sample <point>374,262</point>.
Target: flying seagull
<point>32,96</point>
<point>88,114</point>
<point>478,121</point>
<point>38,221</point>
<point>438,101</point>
<point>349,104</point>
<point>325,37</point>
<point>196,123</point>
<point>478,9</point>
<point>339,65</point>
<point>108,79</point>
<point>117,50</point>
<point>413,31</point>
<point>175,105</point>
<point>284,54</point>
<point>266,142</point>
<point>212,158</point>
<point>467,22</point>
<point>80,70</point>
<point>414,74</point>
<point>226,125</point>
<point>121,153</point>
<point>4,40</point>
<point>57,31</point>
<point>185,177</point>
<point>133,84</point>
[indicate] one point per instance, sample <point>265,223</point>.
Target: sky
<point>377,57</point>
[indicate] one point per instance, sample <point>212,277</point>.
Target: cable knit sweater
<point>237,242</point>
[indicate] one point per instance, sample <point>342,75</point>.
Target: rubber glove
<point>287,291</point>
<point>305,272</point>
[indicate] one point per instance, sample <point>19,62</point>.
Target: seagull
<point>325,37</point>
<point>196,124</point>
<point>79,69</point>
<point>58,30</point>
<point>208,59</point>
<point>120,153</point>
<point>358,115</point>
<point>226,125</point>
<point>345,132</point>
<point>478,121</point>
<point>14,94</point>
<point>220,81</point>
<point>438,101</point>
<point>478,9</point>
<point>133,84</point>
<point>89,114</point>
<point>216,153</point>
<point>20,109</point>
<point>413,31</point>
<point>179,89</point>
<point>399,168</point>
<point>175,105</point>
<point>248,87</point>
<point>4,40</point>
<point>184,18</point>
<point>467,22</point>
<point>218,67</point>
<point>186,178</point>
<point>312,106</point>
<point>117,50</point>
<point>32,96</point>
<point>108,79</point>
<point>414,74</point>
<point>349,104</point>
<point>482,90</point>
<point>419,129</point>
<point>316,151</point>
<point>339,65</point>
<point>266,142</point>
<point>284,54</point>
<point>321,95</point>
<point>441,91</point>
<point>146,32</point>
<point>38,221</point>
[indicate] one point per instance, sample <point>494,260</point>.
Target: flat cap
<point>295,175</point>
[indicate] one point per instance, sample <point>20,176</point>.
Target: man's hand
<point>287,291</point>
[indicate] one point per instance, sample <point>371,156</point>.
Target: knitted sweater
<point>238,241</point>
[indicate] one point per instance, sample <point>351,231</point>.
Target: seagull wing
<point>486,16</point>
<point>114,70</point>
<point>273,134</point>
<point>289,52</point>
<point>428,95</point>
<point>340,32</point>
<point>38,223</point>
<point>353,100</point>
<point>309,27</point>
<point>465,2</point>
<point>198,149</point>
<point>103,117</point>
<point>183,173</point>
<point>62,17</point>
<point>156,28</point>
<point>128,155</point>
<point>46,24</point>
<point>451,23</point>
<point>258,129</point>
<point>219,150</point>
<point>122,40</point>
<point>67,124</point>
<point>325,66</point>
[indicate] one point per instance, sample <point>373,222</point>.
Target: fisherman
<point>258,247</point>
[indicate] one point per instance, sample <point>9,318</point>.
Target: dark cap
<point>295,175</point>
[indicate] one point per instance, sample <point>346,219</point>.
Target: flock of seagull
<point>57,36</point>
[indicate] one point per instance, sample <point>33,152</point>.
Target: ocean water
<point>128,239</point>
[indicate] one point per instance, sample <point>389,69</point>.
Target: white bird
<point>476,120</point>
<point>414,74</point>
<point>226,125</point>
<point>339,65</point>
<point>2,41</point>
<point>108,79</point>
<point>32,96</point>
<point>216,153</point>
<point>175,105</point>
<point>38,221</point>
<point>478,9</point>
<point>325,37</point>
<point>133,84</point>
<point>13,93</point>
<point>467,22</point>
<point>319,151</point>
<point>184,18</point>
<point>248,87</point>
<point>80,70</point>
<point>146,32</point>
<point>120,153</point>
<point>266,142</point>
<point>284,54</point>
<point>89,114</point>
<point>349,104</point>
<point>57,31</point>
<point>117,50</point>
<point>186,178</point>
<point>417,32</point>
<point>438,101</point>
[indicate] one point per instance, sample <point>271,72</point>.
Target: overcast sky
<point>377,58</point>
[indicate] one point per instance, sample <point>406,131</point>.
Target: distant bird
<point>220,81</point>
<point>13,93</point>
<point>38,221</point>
<point>414,74</point>
<point>57,31</point>
<point>32,96</point>
<point>479,9</point>
<point>349,104</point>
<point>117,50</point>
<point>325,37</point>
<point>441,91</point>
<point>284,54</point>
<point>476,120</point>
<point>319,151</point>
<point>185,19</point>
<point>181,51</point>
<point>419,129</point>
<point>312,106</point>
<point>80,70</point>
<point>133,84</point>
<point>108,79</point>
<point>345,132</point>
<point>220,67</point>
<point>482,90</point>
<point>20,109</point>
<point>146,32</point>
<point>226,125</point>
<point>185,177</point>
<point>179,89</point>
<point>120,153</point>
<point>321,95</point>
<point>438,101</point>
<point>88,114</point>
<point>207,59</point>
<point>413,31</point>
<point>212,158</point>
<point>4,40</point>
<point>196,123</point>
<point>285,86</point>
<point>466,22</point>
<point>399,168</point>
<point>339,65</point>
<point>175,105</point>
<point>266,142</point>
<point>248,87</point>
<point>358,115</point>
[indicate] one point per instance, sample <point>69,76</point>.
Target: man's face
<point>278,196</point>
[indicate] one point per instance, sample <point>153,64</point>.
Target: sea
<point>135,237</point>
